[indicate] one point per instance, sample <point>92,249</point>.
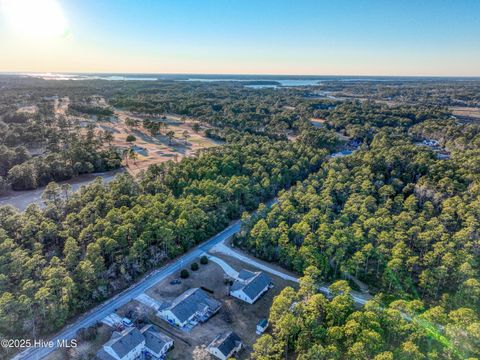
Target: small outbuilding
<point>261,326</point>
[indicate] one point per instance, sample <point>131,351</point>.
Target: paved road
<point>99,312</point>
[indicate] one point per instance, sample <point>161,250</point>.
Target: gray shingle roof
<point>263,323</point>
<point>126,342</point>
<point>226,342</point>
<point>103,355</point>
<point>154,339</point>
<point>252,286</point>
<point>191,301</point>
<point>245,274</point>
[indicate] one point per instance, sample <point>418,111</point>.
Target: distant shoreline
<point>227,77</point>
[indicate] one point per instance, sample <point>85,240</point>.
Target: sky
<point>297,37</point>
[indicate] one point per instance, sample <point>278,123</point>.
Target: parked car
<point>175,282</point>
<point>127,322</point>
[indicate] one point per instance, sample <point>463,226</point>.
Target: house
<point>156,343</point>
<point>190,308</point>
<point>225,345</point>
<point>431,143</point>
<point>131,343</point>
<point>249,285</point>
<point>127,345</point>
<point>261,326</point>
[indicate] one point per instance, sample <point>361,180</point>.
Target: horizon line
<point>26,73</point>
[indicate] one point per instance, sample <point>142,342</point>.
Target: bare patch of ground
<point>318,122</point>
<point>155,149</point>
<point>32,109</point>
<point>466,114</point>
<point>234,315</point>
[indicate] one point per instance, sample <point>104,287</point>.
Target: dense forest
<point>83,247</point>
<point>312,327</point>
<point>395,217</point>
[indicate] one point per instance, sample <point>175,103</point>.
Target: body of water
<point>110,77</point>
<point>281,82</point>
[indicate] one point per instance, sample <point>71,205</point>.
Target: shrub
<point>204,260</point>
<point>131,138</point>
<point>194,266</point>
<point>184,274</point>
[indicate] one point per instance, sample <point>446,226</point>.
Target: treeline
<point>308,326</point>
<point>220,105</point>
<point>389,215</point>
<point>83,247</point>
<point>84,108</point>
<point>432,92</point>
<point>66,156</point>
<point>362,120</point>
<point>61,150</point>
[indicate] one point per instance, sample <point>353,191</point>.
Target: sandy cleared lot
<point>155,149</point>
<point>234,315</point>
<point>467,114</point>
<point>317,122</point>
<point>149,149</point>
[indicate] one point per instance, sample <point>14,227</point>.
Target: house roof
<point>154,339</point>
<point>103,355</point>
<point>253,285</point>
<point>128,340</point>
<point>226,342</point>
<point>190,302</point>
<point>263,323</point>
<point>245,274</point>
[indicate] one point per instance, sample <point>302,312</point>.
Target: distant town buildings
<point>431,143</point>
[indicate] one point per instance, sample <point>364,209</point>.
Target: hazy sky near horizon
<point>318,37</point>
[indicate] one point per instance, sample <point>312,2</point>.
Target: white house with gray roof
<point>127,345</point>
<point>190,308</point>
<point>156,343</point>
<point>132,344</point>
<point>225,345</point>
<point>249,286</point>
